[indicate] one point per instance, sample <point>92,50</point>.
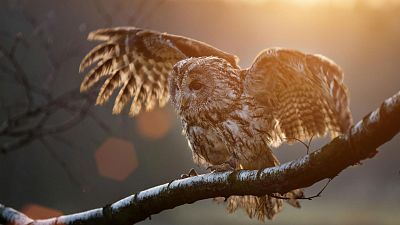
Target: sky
<point>363,37</point>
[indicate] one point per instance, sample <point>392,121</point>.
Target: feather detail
<point>112,82</point>
<point>140,61</point>
<point>105,50</point>
<point>102,69</point>
<point>304,92</point>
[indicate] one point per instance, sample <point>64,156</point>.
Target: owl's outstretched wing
<point>304,93</point>
<point>138,62</point>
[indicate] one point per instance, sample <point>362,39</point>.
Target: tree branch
<point>358,144</point>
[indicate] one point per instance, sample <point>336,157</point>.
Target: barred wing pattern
<point>139,62</point>
<point>304,93</point>
<point>285,95</point>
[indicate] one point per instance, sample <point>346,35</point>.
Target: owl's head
<point>203,84</point>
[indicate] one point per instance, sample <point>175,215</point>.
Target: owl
<point>231,117</point>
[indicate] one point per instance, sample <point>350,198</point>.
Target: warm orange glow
<point>35,211</point>
<point>116,159</point>
<point>336,3</point>
<point>154,124</point>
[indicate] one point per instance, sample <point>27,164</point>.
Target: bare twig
<point>14,126</point>
<point>304,198</point>
<point>132,20</point>
<point>20,74</point>
<point>60,161</point>
<point>149,14</point>
<point>102,11</point>
<point>64,141</point>
<point>306,145</point>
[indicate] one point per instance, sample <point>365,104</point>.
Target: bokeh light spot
<point>116,159</point>
<point>154,124</point>
<point>35,211</point>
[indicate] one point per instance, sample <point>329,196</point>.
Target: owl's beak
<point>184,103</point>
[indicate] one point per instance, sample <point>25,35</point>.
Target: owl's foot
<point>230,164</point>
<point>191,173</point>
<point>220,167</point>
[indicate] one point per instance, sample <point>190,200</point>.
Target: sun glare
<point>335,3</point>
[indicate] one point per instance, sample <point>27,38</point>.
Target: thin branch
<point>14,145</point>
<point>135,15</point>
<point>104,126</point>
<point>307,146</point>
<point>60,161</point>
<point>304,198</point>
<point>20,74</point>
<point>64,141</point>
<point>360,143</point>
<point>21,128</point>
<point>102,11</point>
<point>149,15</point>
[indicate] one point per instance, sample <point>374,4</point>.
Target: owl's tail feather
<point>256,207</point>
<point>293,196</point>
<point>262,207</point>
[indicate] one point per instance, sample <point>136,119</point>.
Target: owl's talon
<point>220,168</point>
<point>184,175</point>
<point>192,173</point>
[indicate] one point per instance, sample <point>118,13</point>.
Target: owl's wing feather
<point>304,94</point>
<point>138,62</point>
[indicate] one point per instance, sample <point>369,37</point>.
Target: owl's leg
<point>230,164</point>
<point>191,173</point>
<point>220,167</point>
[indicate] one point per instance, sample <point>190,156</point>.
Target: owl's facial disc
<point>200,85</point>
<point>195,92</point>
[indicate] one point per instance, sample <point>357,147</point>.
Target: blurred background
<point>61,154</point>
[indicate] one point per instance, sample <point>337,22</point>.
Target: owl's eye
<point>195,85</point>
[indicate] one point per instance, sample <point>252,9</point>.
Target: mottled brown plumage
<point>230,116</point>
